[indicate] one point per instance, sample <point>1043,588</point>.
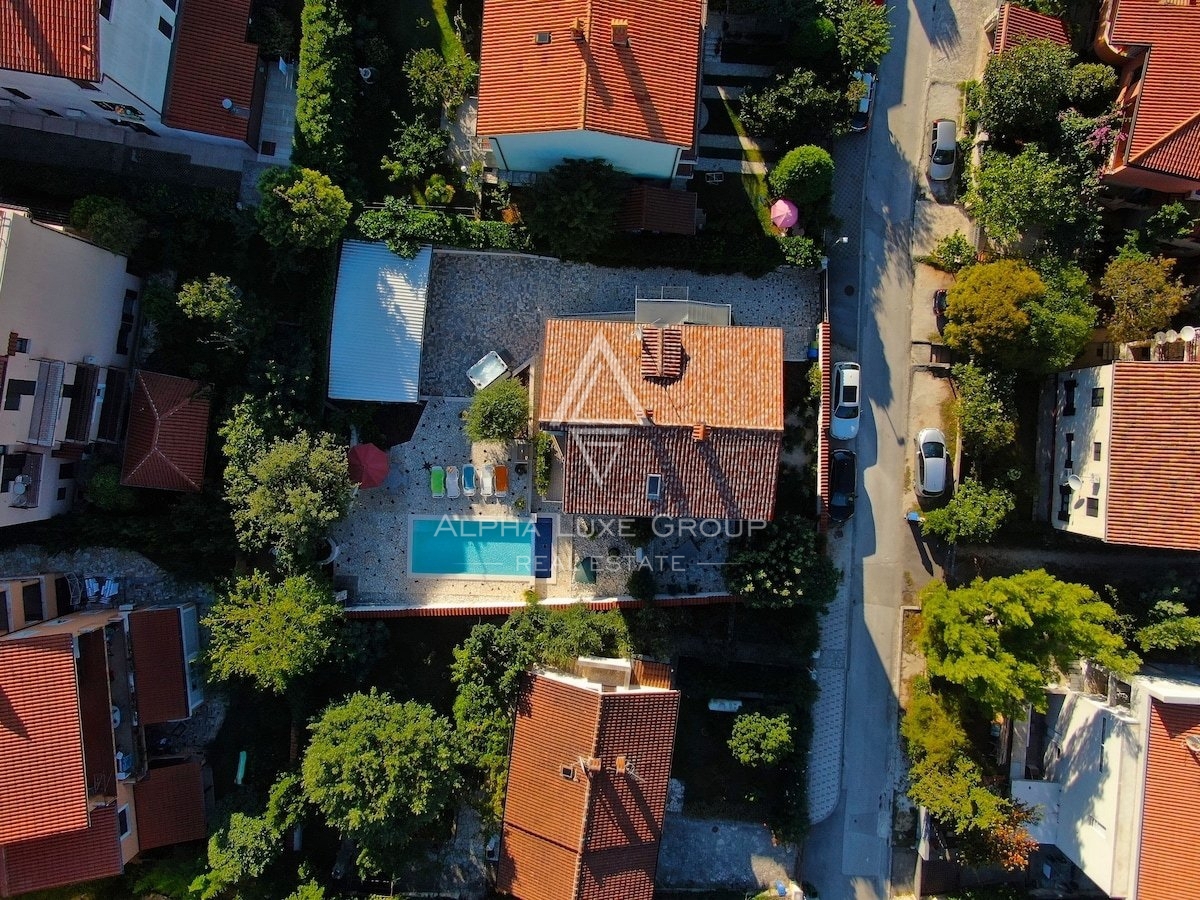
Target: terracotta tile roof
<point>167,435</point>
<point>159,669</point>
<point>43,787</point>
<point>1164,134</point>
<point>591,374</point>
<point>212,62</point>
<point>1170,848</point>
<point>731,474</point>
<point>1152,455</point>
<point>648,208</point>
<point>170,806</point>
<point>62,859</point>
<point>586,837</point>
<point>645,90</point>
<point>1018,25</point>
<point>51,37</point>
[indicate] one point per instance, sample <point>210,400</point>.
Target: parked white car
<point>943,150</point>
<point>931,463</point>
<point>846,401</point>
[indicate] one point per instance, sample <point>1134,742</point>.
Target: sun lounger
<point>468,473</point>
<point>487,485</point>
<point>501,481</point>
<point>452,482</point>
<point>437,481</point>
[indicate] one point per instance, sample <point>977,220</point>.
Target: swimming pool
<point>473,547</point>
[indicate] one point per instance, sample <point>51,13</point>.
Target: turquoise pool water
<point>472,547</point>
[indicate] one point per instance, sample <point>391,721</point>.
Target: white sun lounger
<point>487,479</point>
<point>452,490</point>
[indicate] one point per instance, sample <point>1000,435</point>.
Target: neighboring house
<point>68,308</point>
<point>81,791</point>
<point>167,433</point>
<point>1154,44</point>
<point>664,420</point>
<point>158,68</point>
<point>587,782</point>
<point>618,80</point>
<point>1114,768</point>
<point>1123,457</point>
<point>1011,25</point>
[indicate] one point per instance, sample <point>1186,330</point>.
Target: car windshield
<point>846,412</point>
<point>943,155</point>
<point>932,450</point>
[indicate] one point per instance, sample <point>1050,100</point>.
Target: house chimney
<point>577,34</point>
<point>620,32</point>
<point>700,432</point>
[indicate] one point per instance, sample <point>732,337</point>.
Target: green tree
<point>1013,194</point>
<point>1092,86</point>
<point>105,491</point>
<point>415,150</point>
<point>759,740</point>
<point>800,250</point>
<point>1004,640</point>
<point>1024,88</point>
<point>272,634</point>
<point>864,32</point>
<point>437,192</point>
<point>804,175</point>
<point>984,408</point>
<point>953,253</point>
<point>972,516</point>
<point>108,222</point>
<point>301,208</point>
<point>1143,295</point>
<point>575,207</point>
<point>1172,629</point>
<point>308,890</point>
<point>219,304</point>
<point>498,412</point>
<point>797,109</point>
<point>782,565</point>
<point>437,82</point>
<point>380,771</point>
<point>985,313</point>
<point>239,854</point>
<point>1168,222</point>
<point>325,88</point>
<point>288,495</point>
<point>1062,319</point>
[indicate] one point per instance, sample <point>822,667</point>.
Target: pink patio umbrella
<point>368,465</point>
<point>784,213</point>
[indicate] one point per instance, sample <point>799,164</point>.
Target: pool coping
<point>530,521</point>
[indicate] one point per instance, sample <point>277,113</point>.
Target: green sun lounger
<point>437,481</point>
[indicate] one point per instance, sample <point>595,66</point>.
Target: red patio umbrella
<point>368,465</point>
<point>784,214</point>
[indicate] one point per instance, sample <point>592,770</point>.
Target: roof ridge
<point>587,50</point>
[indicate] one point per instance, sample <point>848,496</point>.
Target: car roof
<point>849,372</point>
<point>935,473</point>
<point>946,130</point>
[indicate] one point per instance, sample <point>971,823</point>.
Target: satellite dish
<point>1160,337</point>
<point>1075,482</point>
<point>1187,333</point>
<point>1172,336</point>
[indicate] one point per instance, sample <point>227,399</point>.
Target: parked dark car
<point>843,481</point>
<point>862,113</point>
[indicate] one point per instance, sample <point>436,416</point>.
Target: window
<point>1093,507</point>
<point>123,821</point>
<point>1070,463</point>
<point>106,8</point>
<point>542,37</point>
<point>52,113</point>
<point>3,611</point>
<point>136,126</point>
<point>1069,397</point>
<point>1096,452</point>
<point>165,27</point>
<point>16,93</point>
<point>1098,396</point>
<point>62,493</point>
<point>22,345</point>
<point>568,772</point>
<point>66,471</point>
<point>268,148</point>
<point>84,84</point>
<point>1064,503</point>
<point>653,487</point>
<point>18,388</point>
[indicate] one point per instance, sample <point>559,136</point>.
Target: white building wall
<point>134,53</point>
<point>1088,427</point>
<point>542,151</point>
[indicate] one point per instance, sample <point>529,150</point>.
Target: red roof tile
<point>212,62</point>
<point>1170,849</point>
<point>731,474</point>
<point>1164,134</point>
<point>170,806</point>
<point>645,90</point>
<point>648,208</point>
<point>1152,455</point>
<point>43,788</point>
<point>168,433</point>
<point>591,374</point>
<point>50,37</point>
<point>158,665</point>
<point>596,836</point>
<point>62,859</point>
<point>1018,25</point>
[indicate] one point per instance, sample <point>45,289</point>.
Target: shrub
<point>1143,295</point>
<point>575,207</point>
<point>641,584</point>
<point>109,223</point>
<point>953,253</point>
<point>796,109</point>
<point>804,175</point>
<point>437,191</point>
<point>301,208</point>
<point>782,565</point>
<point>104,490</point>
<point>404,227</point>
<point>499,412</point>
<point>436,82</point>
<point>1024,88</point>
<point>219,304</point>
<point>325,88</point>
<point>800,250</point>
<point>972,94</point>
<point>972,516</point>
<point>1092,86</point>
<point>759,740</point>
<point>415,150</point>
<point>984,408</point>
<point>542,462</point>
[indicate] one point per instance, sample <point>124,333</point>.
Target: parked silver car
<point>943,150</point>
<point>931,463</point>
<point>844,424</point>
